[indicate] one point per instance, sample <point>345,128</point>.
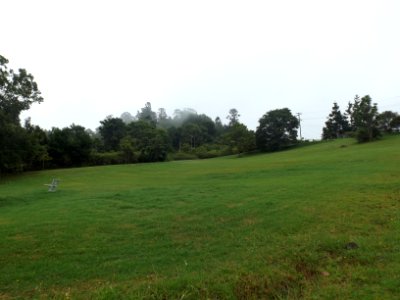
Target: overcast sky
<point>96,58</point>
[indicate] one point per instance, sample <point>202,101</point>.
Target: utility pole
<point>298,115</point>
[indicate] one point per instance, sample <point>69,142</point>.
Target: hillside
<point>321,221</point>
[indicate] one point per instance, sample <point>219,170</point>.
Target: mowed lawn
<point>318,222</point>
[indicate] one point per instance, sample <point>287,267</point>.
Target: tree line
<point>151,136</point>
<point>361,120</point>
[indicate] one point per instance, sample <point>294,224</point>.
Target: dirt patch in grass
<point>22,237</point>
<point>5,297</point>
<point>254,286</point>
<point>250,221</point>
<point>308,270</point>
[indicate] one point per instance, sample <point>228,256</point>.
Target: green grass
<point>271,226</point>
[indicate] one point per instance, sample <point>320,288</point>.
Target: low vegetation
<point>318,222</point>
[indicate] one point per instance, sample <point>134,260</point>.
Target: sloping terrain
<point>322,221</point>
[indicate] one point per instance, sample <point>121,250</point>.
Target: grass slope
<point>271,226</point>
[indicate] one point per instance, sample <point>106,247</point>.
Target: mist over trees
<point>152,136</point>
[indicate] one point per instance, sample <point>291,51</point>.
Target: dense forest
<point>150,136</point>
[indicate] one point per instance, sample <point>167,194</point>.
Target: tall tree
<point>15,146</point>
<point>70,146</point>
<point>239,139</point>
<point>163,121</point>
<point>191,135</point>
<point>198,130</point>
<point>175,137</point>
<point>336,125</point>
<point>395,124</point>
<point>233,116</point>
<point>365,116</point>
<point>147,114</point>
<point>162,114</point>
<point>219,127</point>
<point>18,91</point>
<point>349,114</point>
<point>39,142</point>
<point>277,130</point>
<point>388,121</point>
<point>127,148</point>
<point>151,143</point>
<point>112,130</point>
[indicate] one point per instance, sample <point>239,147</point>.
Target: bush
<point>203,153</point>
<point>183,156</point>
<point>213,150</point>
<point>107,158</point>
<point>363,135</point>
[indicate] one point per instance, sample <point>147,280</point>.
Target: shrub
<point>107,158</point>
<point>183,156</point>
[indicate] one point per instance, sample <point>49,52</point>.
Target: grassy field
<point>318,222</point>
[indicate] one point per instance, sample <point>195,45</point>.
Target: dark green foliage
<point>233,116</point>
<point>128,150</point>
<point>147,141</point>
<point>277,130</point>
<point>146,114</point>
<point>151,143</point>
<point>219,127</point>
<point>365,116</point>
<point>22,148</point>
<point>112,130</point>
<point>18,91</point>
<point>155,147</point>
<point>197,130</point>
<point>70,146</point>
<point>211,151</point>
<point>364,134</point>
<point>107,158</point>
<point>175,137</point>
<point>15,146</point>
<point>395,124</point>
<point>350,112</point>
<point>389,122</point>
<point>336,125</point>
<point>39,146</point>
<point>365,124</point>
<point>183,156</point>
<point>191,136</point>
<point>236,136</point>
<point>239,139</point>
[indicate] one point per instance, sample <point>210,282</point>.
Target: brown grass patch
<point>253,286</point>
<point>250,221</point>
<point>22,237</point>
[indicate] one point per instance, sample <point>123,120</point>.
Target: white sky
<point>97,58</point>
